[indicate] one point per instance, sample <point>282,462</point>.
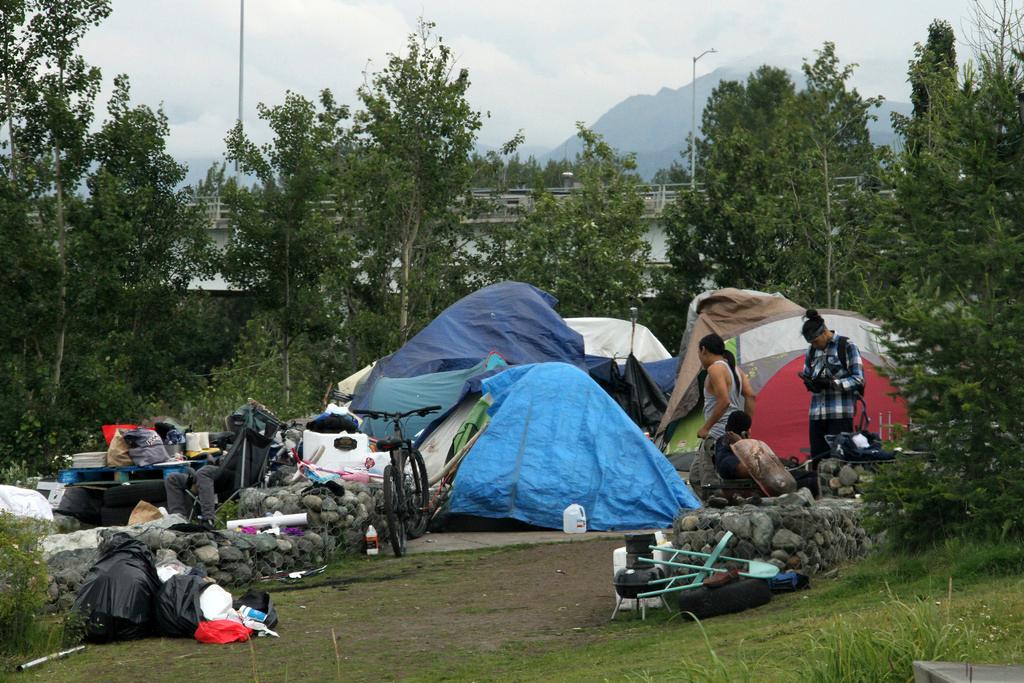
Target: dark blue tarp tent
<point>515,320</point>
<point>555,438</point>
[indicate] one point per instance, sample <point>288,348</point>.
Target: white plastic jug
<point>574,519</point>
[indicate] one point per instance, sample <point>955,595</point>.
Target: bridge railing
<point>511,204</point>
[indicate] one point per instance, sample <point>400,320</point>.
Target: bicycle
<point>406,493</point>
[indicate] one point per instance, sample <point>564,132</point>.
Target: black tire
<point>741,595</point>
<point>418,497</point>
<point>82,503</point>
<point>392,510</point>
<point>128,495</point>
<point>115,516</point>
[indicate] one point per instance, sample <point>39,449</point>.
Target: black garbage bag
<point>844,447</point>
<point>332,423</point>
<point>259,600</point>
<point>115,601</point>
<point>177,605</point>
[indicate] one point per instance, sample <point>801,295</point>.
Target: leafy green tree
<point>59,110</point>
<point>783,205</point>
<point>952,252</point>
<point>138,245</point>
<point>586,248</point>
<point>16,65</point>
<point>285,240</point>
<point>214,182</point>
<point>675,174</point>
<point>932,71</point>
<point>411,169</point>
<point>825,127</point>
<point>735,231</point>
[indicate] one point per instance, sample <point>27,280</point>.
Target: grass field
<point>532,613</point>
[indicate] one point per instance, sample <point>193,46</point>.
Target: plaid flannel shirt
<point>838,400</point>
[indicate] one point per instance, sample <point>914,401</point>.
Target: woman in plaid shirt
<point>834,382</point>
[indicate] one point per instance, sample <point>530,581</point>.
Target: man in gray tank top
<point>726,390</point>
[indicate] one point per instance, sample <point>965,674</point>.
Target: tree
<point>675,174</point>
<point>411,165</point>
<point>933,69</point>
<point>58,111</point>
<point>138,245</point>
<point>15,66</point>
<point>285,241</point>
<point>953,245</point>
<point>587,248</point>
<point>737,230</point>
<point>825,126</point>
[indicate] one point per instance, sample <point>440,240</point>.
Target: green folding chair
<point>755,569</point>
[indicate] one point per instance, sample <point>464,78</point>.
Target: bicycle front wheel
<point>417,496</point>
<point>393,503</point>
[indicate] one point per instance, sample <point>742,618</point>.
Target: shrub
<point>23,580</point>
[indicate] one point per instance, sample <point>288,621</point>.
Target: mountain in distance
<point>655,127</point>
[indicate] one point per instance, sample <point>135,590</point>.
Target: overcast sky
<point>538,66</point>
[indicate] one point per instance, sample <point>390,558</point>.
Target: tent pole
<point>632,332</point>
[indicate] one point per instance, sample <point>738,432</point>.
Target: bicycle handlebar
<point>422,412</point>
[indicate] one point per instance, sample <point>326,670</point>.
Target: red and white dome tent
<point>764,330</point>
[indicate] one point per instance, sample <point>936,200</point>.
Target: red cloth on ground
<point>222,631</point>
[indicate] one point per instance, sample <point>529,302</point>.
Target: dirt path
<point>393,618</point>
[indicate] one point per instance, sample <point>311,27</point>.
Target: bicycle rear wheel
<point>417,496</point>
<point>393,503</point>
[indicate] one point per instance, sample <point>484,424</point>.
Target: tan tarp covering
<point>726,312</point>
<point>350,384</point>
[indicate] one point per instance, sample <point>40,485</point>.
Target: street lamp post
<point>241,61</point>
<point>693,120</point>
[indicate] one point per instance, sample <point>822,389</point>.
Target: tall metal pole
<point>241,61</point>
<point>693,120</point>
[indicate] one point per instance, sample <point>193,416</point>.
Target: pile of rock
<point>842,479</point>
<point>342,518</point>
<point>792,532</point>
<point>337,525</point>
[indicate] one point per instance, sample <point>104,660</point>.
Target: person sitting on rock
<point>728,464</point>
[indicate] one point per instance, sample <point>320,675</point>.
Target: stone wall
<point>792,532</point>
<point>337,525</point>
<point>845,480</point>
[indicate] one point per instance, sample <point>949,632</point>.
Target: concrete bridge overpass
<point>506,206</point>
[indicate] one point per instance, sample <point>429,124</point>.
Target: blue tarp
<point>664,372</point>
<point>446,389</point>
<point>556,438</point>
<point>513,319</point>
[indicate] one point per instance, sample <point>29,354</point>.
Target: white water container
<point>574,519</point>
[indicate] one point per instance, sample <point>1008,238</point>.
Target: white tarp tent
<point>610,338</point>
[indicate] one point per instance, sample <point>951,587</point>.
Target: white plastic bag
<point>216,603</point>
<point>169,568</point>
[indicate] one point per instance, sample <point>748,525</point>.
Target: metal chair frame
<point>756,569</point>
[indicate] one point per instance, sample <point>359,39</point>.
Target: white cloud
<point>534,65</point>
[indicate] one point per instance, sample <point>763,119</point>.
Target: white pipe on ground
<point>279,520</point>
